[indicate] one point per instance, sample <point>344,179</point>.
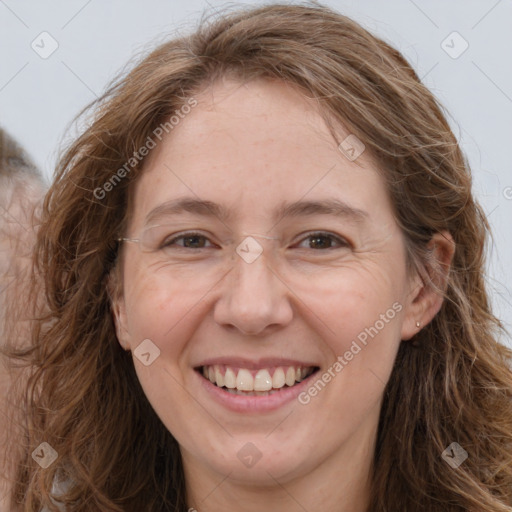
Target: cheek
<point>158,302</point>
<point>364,302</point>
<point>360,315</point>
<point>161,313</point>
<point>354,298</point>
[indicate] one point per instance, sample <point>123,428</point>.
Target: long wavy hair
<point>451,383</point>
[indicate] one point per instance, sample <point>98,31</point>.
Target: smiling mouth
<point>262,382</point>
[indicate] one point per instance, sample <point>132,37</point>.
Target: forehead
<point>253,145</point>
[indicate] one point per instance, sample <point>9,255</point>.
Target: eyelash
<point>340,240</point>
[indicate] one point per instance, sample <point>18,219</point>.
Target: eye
<point>191,240</point>
<point>323,240</point>
<point>194,240</point>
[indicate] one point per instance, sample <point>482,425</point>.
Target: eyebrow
<point>205,208</point>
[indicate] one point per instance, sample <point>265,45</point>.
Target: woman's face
<point>329,293</point>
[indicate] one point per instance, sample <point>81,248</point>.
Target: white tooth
<point>205,372</point>
<point>290,376</point>
<point>211,373</point>
<point>262,381</point>
<point>298,375</point>
<point>244,380</point>
<point>230,379</point>
<point>278,378</point>
<point>219,378</point>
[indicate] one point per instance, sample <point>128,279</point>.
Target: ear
<point>118,308</point>
<point>425,298</point>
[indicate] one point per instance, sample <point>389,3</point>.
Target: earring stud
<point>417,324</point>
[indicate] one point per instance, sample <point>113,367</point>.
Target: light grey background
<point>40,96</point>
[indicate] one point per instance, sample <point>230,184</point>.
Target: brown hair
<point>452,385</point>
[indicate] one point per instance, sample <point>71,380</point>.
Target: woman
<point>264,268</point>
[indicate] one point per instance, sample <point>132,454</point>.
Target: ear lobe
<point>426,298</point>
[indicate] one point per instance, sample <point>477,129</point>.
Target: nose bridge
<point>252,272</point>
<point>255,297</point>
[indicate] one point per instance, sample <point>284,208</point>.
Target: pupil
<point>191,237</point>
<point>315,239</point>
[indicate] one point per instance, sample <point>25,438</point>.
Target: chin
<point>260,461</point>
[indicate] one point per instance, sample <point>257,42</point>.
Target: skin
<point>249,147</point>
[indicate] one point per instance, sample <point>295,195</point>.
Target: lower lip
<point>240,403</point>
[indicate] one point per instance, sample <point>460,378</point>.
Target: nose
<point>254,299</point>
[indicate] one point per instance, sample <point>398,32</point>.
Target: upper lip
<point>258,364</point>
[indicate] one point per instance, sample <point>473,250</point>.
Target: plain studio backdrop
<point>57,56</point>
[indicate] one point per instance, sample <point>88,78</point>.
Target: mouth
<point>255,382</point>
